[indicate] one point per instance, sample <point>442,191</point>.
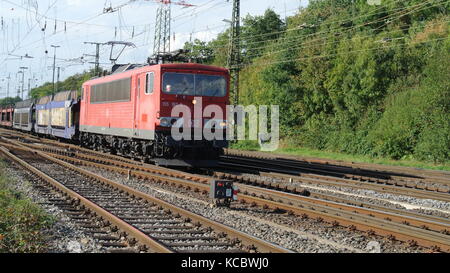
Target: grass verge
<point>21,221</point>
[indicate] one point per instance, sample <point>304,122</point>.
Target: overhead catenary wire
<point>140,32</point>
<point>343,53</point>
<point>26,35</point>
<point>324,40</point>
<point>224,43</point>
<point>294,40</point>
<point>44,16</point>
<point>351,18</point>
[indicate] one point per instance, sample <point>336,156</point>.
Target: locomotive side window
<point>115,91</point>
<point>150,83</point>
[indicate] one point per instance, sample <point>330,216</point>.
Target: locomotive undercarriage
<point>163,150</point>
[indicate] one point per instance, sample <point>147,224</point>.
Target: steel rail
<point>441,176</point>
<point>361,204</point>
<point>365,222</point>
<point>387,229</point>
<point>423,241</point>
<point>249,241</point>
<point>124,226</point>
<point>408,184</point>
<point>361,185</point>
<point>305,201</point>
<point>434,223</point>
<point>414,191</point>
<point>430,175</point>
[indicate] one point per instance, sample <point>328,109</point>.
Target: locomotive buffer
<point>222,192</point>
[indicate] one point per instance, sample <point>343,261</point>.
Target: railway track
<point>372,167</point>
<point>414,228</point>
<point>105,236</point>
<point>361,171</point>
<point>425,190</point>
<point>288,180</point>
<point>148,222</point>
<point>387,186</point>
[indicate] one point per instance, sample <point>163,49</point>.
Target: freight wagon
<point>6,116</point>
<point>58,115</point>
<point>24,116</point>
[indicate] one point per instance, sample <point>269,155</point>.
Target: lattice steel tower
<point>234,50</point>
<point>161,44</point>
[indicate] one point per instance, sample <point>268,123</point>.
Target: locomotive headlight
<point>169,122</point>
<point>165,122</point>
<point>216,123</point>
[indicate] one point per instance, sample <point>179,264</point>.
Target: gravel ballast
<point>425,206</point>
<point>63,236</point>
<point>292,232</point>
<point>300,235</point>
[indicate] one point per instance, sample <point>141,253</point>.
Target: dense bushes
<point>417,119</point>
<point>360,79</point>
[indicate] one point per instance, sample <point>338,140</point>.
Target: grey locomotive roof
<point>119,68</point>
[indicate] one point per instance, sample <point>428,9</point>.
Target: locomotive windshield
<point>194,84</point>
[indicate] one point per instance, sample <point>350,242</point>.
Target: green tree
<point>257,30</point>
<point>74,82</point>
<point>199,52</point>
<point>9,101</point>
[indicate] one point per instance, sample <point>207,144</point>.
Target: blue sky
<point>79,21</point>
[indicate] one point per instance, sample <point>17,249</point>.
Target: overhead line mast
<point>97,56</point>
<point>7,90</point>
<point>234,49</point>
<point>161,44</point>
<point>54,67</point>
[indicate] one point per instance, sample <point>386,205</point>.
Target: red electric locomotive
<point>131,113</point>
<point>6,117</point>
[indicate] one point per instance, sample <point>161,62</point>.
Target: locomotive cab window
<point>210,86</point>
<point>150,83</point>
<point>194,84</point>
<point>179,84</point>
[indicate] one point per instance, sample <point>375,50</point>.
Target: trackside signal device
<point>222,192</point>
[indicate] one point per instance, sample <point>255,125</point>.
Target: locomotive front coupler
<point>222,192</point>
